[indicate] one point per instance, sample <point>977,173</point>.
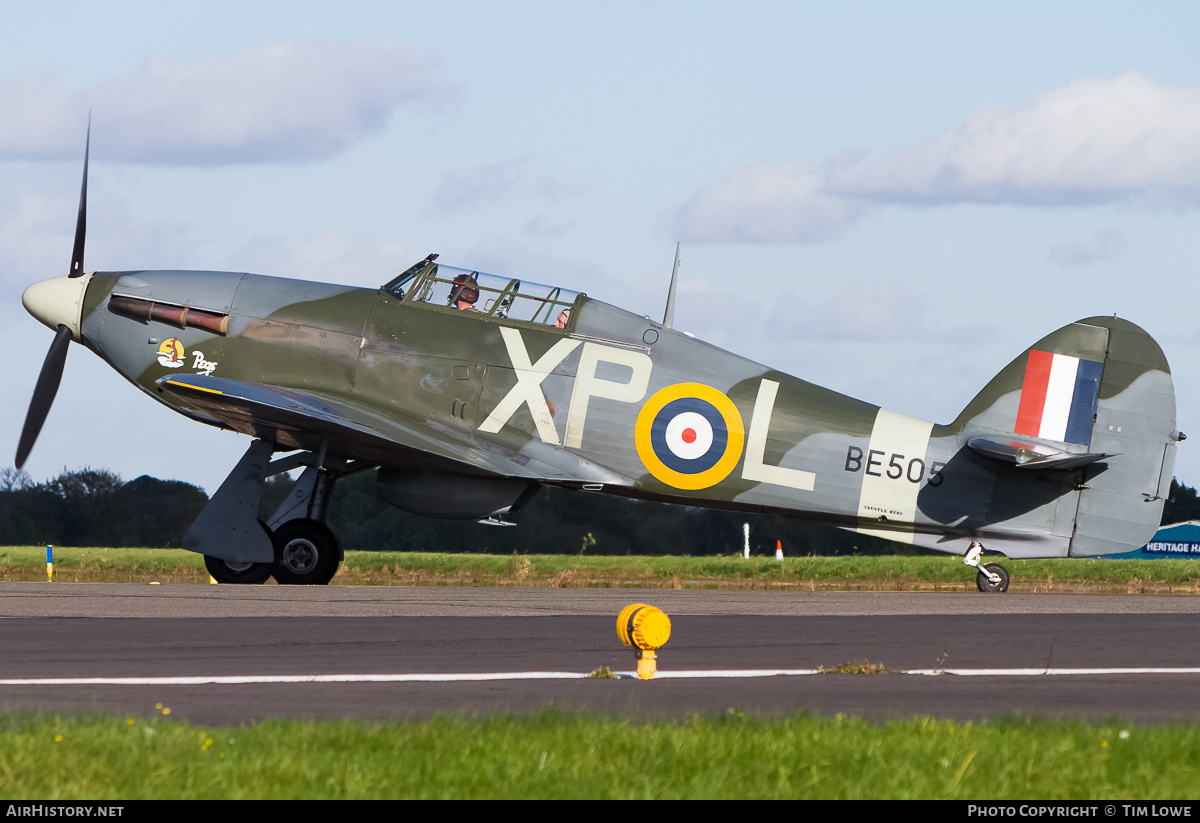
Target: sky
<point>890,200</point>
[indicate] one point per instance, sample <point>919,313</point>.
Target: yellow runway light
<point>646,628</point>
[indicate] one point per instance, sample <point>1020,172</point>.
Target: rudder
<point>1120,507</point>
<point>1095,399</point>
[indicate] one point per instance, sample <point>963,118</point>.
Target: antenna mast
<point>669,314</point>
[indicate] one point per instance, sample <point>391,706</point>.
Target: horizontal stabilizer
<point>1025,455</point>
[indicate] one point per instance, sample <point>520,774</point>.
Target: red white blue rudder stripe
<point>1058,397</point>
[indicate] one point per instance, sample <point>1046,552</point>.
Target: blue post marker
<point>49,564</point>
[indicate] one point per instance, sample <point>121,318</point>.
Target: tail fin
<point>1095,398</point>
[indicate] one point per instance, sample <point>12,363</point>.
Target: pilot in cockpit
<point>464,293</point>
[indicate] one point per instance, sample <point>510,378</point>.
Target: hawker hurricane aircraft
<point>470,391</point>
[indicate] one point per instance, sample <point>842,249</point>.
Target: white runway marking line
<point>235,680</point>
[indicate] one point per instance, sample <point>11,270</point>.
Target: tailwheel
<point>993,579</point>
<point>306,553</point>
<point>231,571</point>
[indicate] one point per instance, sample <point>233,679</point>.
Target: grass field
<point>566,756</point>
<point>876,573</point>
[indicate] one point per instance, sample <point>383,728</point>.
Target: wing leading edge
<point>294,419</point>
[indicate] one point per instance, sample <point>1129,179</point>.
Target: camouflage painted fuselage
<point>618,403</point>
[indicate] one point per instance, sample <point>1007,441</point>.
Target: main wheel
<point>306,553</point>
<point>230,571</point>
<point>987,586</point>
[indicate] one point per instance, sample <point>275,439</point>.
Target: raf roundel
<point>689,436</point>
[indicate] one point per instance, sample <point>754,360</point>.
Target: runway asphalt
<point>232,654</point>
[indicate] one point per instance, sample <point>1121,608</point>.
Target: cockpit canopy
<point>430,284</point>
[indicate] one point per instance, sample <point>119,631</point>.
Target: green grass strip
<point>877,573</point>
<point>553,755</point>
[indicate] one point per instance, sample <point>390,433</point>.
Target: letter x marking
<point>528,390</point>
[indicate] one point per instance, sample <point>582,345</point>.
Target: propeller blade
<point>81,221</point>
<point>43,394</point>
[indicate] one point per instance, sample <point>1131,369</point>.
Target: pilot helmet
<point>465,289</point>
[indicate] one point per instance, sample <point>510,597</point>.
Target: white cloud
<point>771,203</point>
<point>34,237</point>
<point>541,227</point>
<point>469,191</point>
<point>1106,244</point>
<point>327,257</point>
<point>1126,139</point>
<point>865,310</point>
<point>1094,141</point>
<point>37,233</point>
<point>284,102</point>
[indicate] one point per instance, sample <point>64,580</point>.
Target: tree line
<point>94,507</point>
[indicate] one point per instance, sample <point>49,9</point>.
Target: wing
<point>294,419</point>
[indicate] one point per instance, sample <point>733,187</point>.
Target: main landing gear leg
<point>306,551</point>
<point>236,545</point>
<point>992,578</point>
<point>296,547</point>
